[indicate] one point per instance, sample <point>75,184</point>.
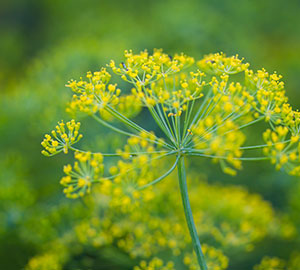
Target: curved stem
<point>104,123</point>
<point>189,215</point>
<point>162,177</point>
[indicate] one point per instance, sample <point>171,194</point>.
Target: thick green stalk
<point>189,215</point>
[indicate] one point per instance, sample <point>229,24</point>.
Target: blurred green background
<point>45,43</point>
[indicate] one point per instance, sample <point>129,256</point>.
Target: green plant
<point>200,112</point>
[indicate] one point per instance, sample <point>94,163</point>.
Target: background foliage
<point>45,43</point>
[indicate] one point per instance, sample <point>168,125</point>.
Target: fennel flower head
<point>202,108</point>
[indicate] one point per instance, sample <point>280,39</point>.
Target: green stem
<point>188,213</point>
<point>98,119</point>
<point>104,123</point>
<point>161,177</point>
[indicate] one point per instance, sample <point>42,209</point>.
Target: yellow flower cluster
<point>44,262</point>
<point>155,264</point>
<point>274,263</point>
<point>269,263</point>
<point>142,69</point>
<point>283,148</point>
<point>219,63</point>
<point>62,138</point>
<point>87,170</point>
<point>268,95</point>
<point>52,259</point>
<point>93,94</point>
